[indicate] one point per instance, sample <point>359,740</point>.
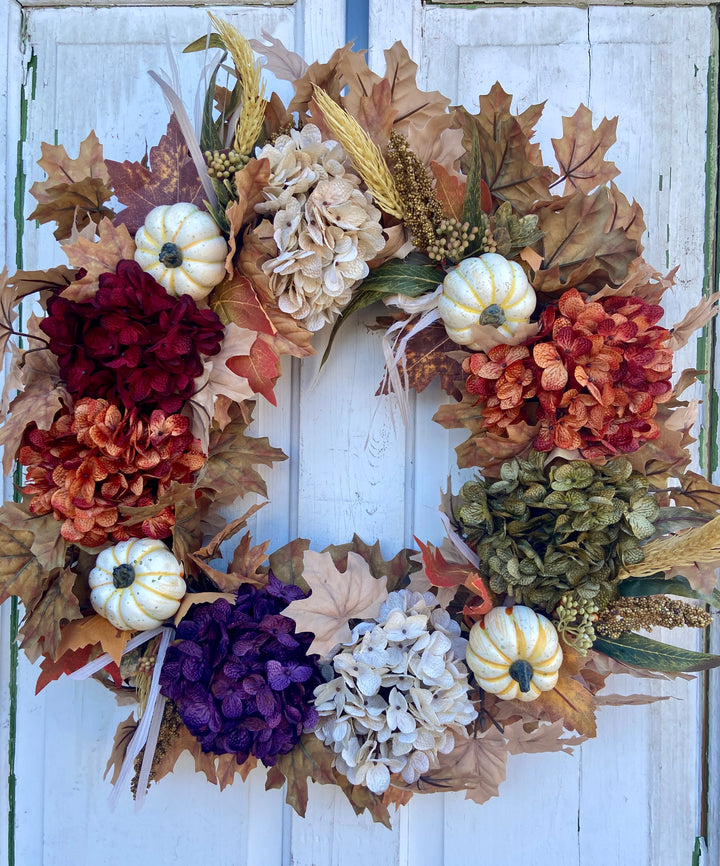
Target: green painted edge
<point>706,353</point>
<point>18,212</point>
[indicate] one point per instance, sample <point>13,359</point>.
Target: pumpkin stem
<point>123,575</point>
<point>170,256</point>
<point>521,671</point>
<point>493,315</point>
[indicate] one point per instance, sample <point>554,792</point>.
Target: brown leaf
<point>697,318</point>
<point>171,178</point>
<point>125,732</point>
<point>31,282</point>
<point>581,151</point>
<point>696,492</point>
<point>361,798</point>
<point>228,473</point>
<point>523,737</point>
<point>235,300</point>
<point>437,143</point>
<point>427,357</point>
<point>261,368</point>
<point>397,797</point>
<point>212,549</point>
<point>413,106</point>
<point>511,166</point>
<point>335,599</point>
<point>450,190</point>
<point>193,598</point>
<point>21,573</point>
<point>287,562</point>
<point>75,189</point>
<point>570,702</point>
<point>310,759</point>
<point>41,627</point>
<point>576,246</point>
<point>247,560</point>
<point>67,662</point>
<point>395,570</point>
<point>93,630</point>
<point>476,765</point>
<point>326,76</point>
<point>219,379</point>
<point>98,257</point>
<point>375,113</point>
<point>249,185</point>
<point>628,700</point>
<point>642,281</point>
<point>47,545</point>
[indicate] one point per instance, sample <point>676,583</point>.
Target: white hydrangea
<point>399,694</point>
<point>325,228</point>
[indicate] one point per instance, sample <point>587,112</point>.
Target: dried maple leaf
<point>376,113</point>
<point>326,76</point>
<point>283,63</point>
<point>235,300</point>
<point>697,318</point>
<point>69,661</point>
<point>93,630</point>
<point>427,357</point>
<point>696,492</point>
<point>395,570</point>
<point>476,765</point>
<point>581,151</point>
<point>450,190</point>
<point>228,473</point>
<point>211,550</point>
<point>310,759</point>
<point>570,702</point>
<point>335,599</point>
<point>361,798</point>
<point>249,185</point>
<point>523,737</point>
<point>261,368</point>
<point>40,630</point>
<point>247,560</point>
<point>124,733</point>
<point>287,562</point>
<point>97,257</point>
<point>577,247</point>
<point>21,573</point>
<point>47,544</point>
<point>436,144</point>
<point>171,178</point>
<point>193,598</point>
<point>75,190</point>
<point>413,106</point>
<point>219,379</point>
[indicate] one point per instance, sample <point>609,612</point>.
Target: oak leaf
<point>376,113</point>
<point>171,178</point>
<point>97,257</point>
<point>395,569</point>
<point>229,472</point>
<point>40,630</point>
<point>581,151</point>
<point>75,189</point>
<point>335,599</point>
<point>261,369</point>
<point>211,550</point>
<point>696,492</point>
<point>326,76</point>
<point>93,630</point>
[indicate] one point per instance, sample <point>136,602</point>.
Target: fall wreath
<point>136,375</point>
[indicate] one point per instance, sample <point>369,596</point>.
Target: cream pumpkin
<point>183,249</point>
<point>136,584</point>
<point>488,290</point>
<point>514,653</point>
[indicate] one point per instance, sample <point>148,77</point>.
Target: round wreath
<point>135,388</point>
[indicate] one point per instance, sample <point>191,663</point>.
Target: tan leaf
<point>375,113</point>
<point>40,630</point>
<point>212,549</point>
<point>310,759</point>
<point>218,379</point>
<point>247,560</point>
<point>287,562</point>
<point>413,106</point>
<point>47,545</point>
<point>437,143</point>
<point>279,60</point>
<point>476,765</point>
<point>21,574</point>
<point>525,737</point>
<point>125,732</point>
<point>697,318</point>
<point>335,599</point>
<point>581,151</point>
<point>628,700</point>
<point>193,598</point>
<point>249,184</point>
<point>97,257</point>
<point>696,492</point>
<point>395,569</point>
<point>642,281</point>
<point>570,702</point>
<point>94,629</point>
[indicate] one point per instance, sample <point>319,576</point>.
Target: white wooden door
<point>634,795</point>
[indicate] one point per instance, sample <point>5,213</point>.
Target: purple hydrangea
<point>240,676</point>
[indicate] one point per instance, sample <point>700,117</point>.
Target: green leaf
<point>472,211</point>
<point>656,584</point>
<point>414,276</point>
<point>214,40</point>
<point>643,652</point>
<point>676,519</point>
<point>209,135</point>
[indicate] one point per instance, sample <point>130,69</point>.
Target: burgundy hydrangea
<point>240,676</point>
<point>132,343</point>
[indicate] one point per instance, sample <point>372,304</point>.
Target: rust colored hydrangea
<point>590,381</point>
<point>132,343</point>
<point>100,457</point>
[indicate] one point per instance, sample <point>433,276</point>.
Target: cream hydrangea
<point>325,228</point>
<point>398,695</point>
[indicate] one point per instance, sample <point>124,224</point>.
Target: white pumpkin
<point>136,584</point>
<point>514,653</point>
<point>183,249</point>
<point>488,290</point>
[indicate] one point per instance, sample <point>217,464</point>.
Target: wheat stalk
<point>250,121</point>
<point>698,545</point>
<point>365,156</point>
